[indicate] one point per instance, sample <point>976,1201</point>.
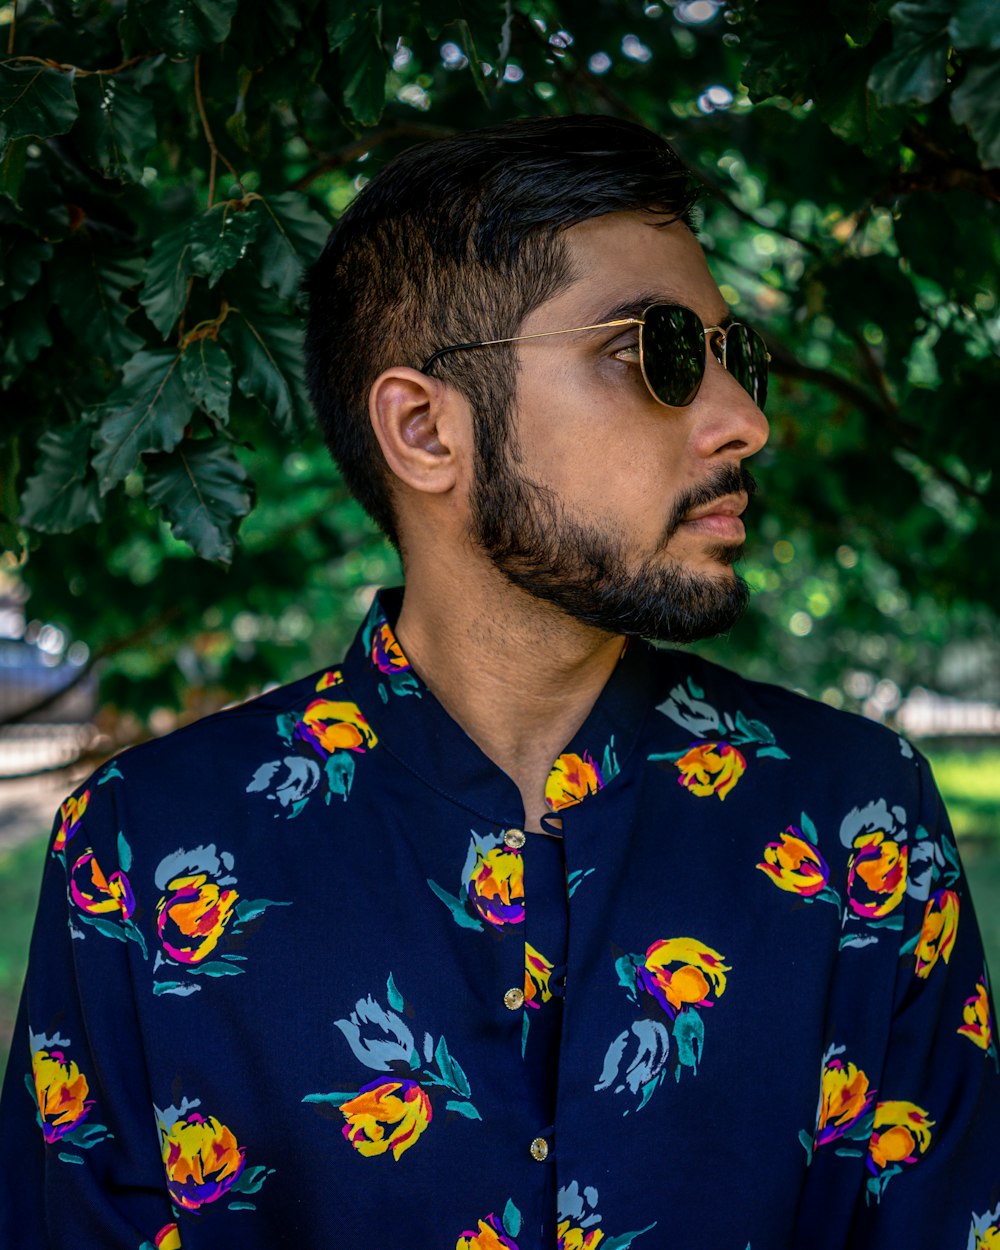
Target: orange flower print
<point>937,934</point>
<point>795,865</point>
<point>537,971</point>
<point>845,1098</point>
<point>192,917</point>
<point>386,653</point>
<point>327,726</point>
<point>572,778</point>
<point>876,875</point>
<point>699,972</point>
<point>70,814</point>
<point>401,1106</point>
<point>902,1133</point>
<point>710,768</point>
<point>61,1090</point>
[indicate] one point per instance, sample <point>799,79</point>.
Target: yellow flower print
<point>70,814</point>
<point>902,1132</point>
<point>876,875</point>
<point>795,865</point>
<point>401,1106</point>
<point>337,726</point>
<point>711,768</point>
<point>61,1089</point>
<point>193,917</point>
<point>571,779</point>
<point>572,1238</point>
<point>937,934</point>
<point>976,1014</point>
<point>700,970</point>
<point>202,1160</point>
<point>334,678</point>
<point>844,1098</point>
<point>537,971</point>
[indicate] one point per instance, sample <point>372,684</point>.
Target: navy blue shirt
<point>300,978</point>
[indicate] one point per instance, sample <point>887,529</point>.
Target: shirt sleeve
<point>79,1154</point>
<point>931,1174</point>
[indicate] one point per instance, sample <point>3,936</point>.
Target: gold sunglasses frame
<point>609,325</point>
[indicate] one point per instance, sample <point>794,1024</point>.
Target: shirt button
<point>539,1149</point>
<point>513,999</point>
<point>514,838</point>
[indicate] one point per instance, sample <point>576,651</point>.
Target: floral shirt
<point>300,979</point>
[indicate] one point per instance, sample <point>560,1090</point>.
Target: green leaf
<point>364,69</point>
<point>208,375</point>
<point>148,412</point>
<point>202,491</point>
<point>186,27</point>
<point>88,288</point>
<point>62,494</point>
<point>976,104</point>
<point>914,71</point>
<point>266,347</point>
<point>25,333</point>
<point>218,240</point>
<point>974,25</point>
<point>12,165</point>
<point>116,128</point>
<point>167,272</point>
<point>291,236</point>
<point>21,260</point>
<point>35,101</point>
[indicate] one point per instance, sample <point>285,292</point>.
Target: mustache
<point>727,479</point>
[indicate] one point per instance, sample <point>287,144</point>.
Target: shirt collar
<point>410,723</point>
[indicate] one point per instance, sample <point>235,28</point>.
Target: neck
<point>517,674</point>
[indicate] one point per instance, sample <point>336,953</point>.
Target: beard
<point>582,569</point>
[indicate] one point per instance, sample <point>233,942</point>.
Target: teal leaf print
<point>807,1144</point>
<point>576,879</point>
<point>109,774</point>
<point>124,854</point>
<point>215,968</point>
<point>809,829</point>
<point>456,908</point>
<point>68,1158</point>
<point>107,927</point>
<point>339,770</point>
<point>451,1072</point>
<point>689,1034</point>
<point>251,1180</point>
<point>393,996</point>
<point>463,1108</point>
<point>333,1099</point>
<point>775,753</point>
<point>250,909</point>
<point>511,1219</point>
<point>609,764</point>
<point>625,966</point>
<point>624,1240</point>
<point>242,1206</point>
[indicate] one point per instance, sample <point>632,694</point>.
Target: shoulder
<point>840,756</point>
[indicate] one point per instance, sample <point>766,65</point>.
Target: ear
<point>417,422</point>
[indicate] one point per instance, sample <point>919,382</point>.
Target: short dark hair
<point>457,240</point>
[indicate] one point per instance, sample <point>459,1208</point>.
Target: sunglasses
<point>672,352</point>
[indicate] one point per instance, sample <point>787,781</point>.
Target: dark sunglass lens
<point>746,360</point>
<point>673,353</point>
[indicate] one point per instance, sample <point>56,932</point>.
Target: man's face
<point>613,507</point>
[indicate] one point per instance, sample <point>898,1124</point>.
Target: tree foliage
<point>167,167</point>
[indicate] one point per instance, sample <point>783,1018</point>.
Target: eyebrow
<point>633,309</point>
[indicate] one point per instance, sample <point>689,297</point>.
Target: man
<point>512,930</point>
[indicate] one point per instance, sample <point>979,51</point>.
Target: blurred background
<point>175,538</point>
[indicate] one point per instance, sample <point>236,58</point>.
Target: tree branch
<point>209,137</point>
<point>75,70</point>
<point>13,28</point>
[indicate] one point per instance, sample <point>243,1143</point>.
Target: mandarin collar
<point>412,725</point>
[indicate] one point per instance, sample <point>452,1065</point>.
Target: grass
<point>968,780</point>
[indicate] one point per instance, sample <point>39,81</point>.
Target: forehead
<point>618,257</point>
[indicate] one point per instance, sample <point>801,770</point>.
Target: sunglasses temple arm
<point>520,338</point>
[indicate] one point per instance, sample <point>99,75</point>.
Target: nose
<point>727,419</point>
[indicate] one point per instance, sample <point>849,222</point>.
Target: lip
<point>720,519</point>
